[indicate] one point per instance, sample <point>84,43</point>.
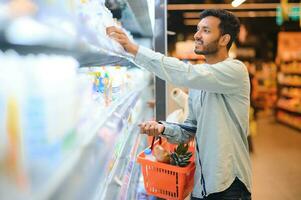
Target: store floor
<point>276,162</point>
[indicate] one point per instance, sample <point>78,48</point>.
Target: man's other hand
<point>151,128</point>
<point>120,36</point>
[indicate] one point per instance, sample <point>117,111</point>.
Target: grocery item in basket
<point>161,154</point>
<point>181,156</point>
<point>148,155</point>
<point>165,180</point>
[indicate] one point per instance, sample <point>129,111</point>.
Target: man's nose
<point>197,35</point>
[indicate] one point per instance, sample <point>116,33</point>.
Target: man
<point>218,106</point>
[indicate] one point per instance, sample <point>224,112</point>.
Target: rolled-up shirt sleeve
<point>224,77</point>
<point>175,134</point>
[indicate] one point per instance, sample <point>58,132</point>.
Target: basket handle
<point>153,141</point>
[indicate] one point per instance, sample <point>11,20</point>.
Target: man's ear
<point>225,39</point>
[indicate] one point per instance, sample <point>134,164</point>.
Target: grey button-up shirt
<point>218,108</point>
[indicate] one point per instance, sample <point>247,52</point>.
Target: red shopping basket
<point>165,180</point>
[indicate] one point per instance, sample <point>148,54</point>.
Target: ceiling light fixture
<point>236,3</point>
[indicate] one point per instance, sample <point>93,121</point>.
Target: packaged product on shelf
<point>40,94</point>
<point>53,103</point>
<point>110,82</point>
<point>14,9</point>
<point>291,92</point>
<point>293,67</point>
<point>293,80</point>
<point>3,134</point>
<point>101,85</point>
<point>293,104</point>
<point>117,78</point>
<point>12,84</point>
<point>95,16</point>
<point>289,119</point>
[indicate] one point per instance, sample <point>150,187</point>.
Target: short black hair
<point>229,23</point>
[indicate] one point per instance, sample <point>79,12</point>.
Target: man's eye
<point>206,31</point>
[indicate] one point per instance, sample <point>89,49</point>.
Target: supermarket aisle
<point>276,162</point>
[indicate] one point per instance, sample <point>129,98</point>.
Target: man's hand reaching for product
<point>151,128</point>
<point>120,36</point>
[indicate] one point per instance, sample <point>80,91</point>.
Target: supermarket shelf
<point>72,166</point>
<point>85,166</point>
<point>122,167</point>
<point>288,124</point>
<point>119,182</point>
<point>53,40</point>
<point>130,170</point>
<point>291,72</point>
<point>132,178</point>
<point>290,85</point>
<point>290,95</point>
<point>73,38</point>
<point>85,57</point>
<point>130,183</point>
<point>57,185</point>
<point>291,60</point>
<point>290,110</point>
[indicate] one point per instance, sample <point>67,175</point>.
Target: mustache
<point>199,42</point>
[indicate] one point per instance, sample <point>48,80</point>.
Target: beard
<point>211,48</point>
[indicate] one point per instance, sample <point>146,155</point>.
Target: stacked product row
<point>51,111</point>
<point>289,101</point>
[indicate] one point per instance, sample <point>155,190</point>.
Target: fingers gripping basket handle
<point>153,141</point>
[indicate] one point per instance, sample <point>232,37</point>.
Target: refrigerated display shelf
<point>119,182</point>
<point>69,166</point>
<point>78,166</point>
<point>67,29</point>
<point>115,181</point>
<point>108,112</point>
<point>79,45</point>
<point>134,179</point>
<point>76,158</point>
<point>85,56</point>
<point>127,186</point>
<point>96,174</point>
<point>119,158</point>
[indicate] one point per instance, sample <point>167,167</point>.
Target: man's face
<point>207,36</point>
